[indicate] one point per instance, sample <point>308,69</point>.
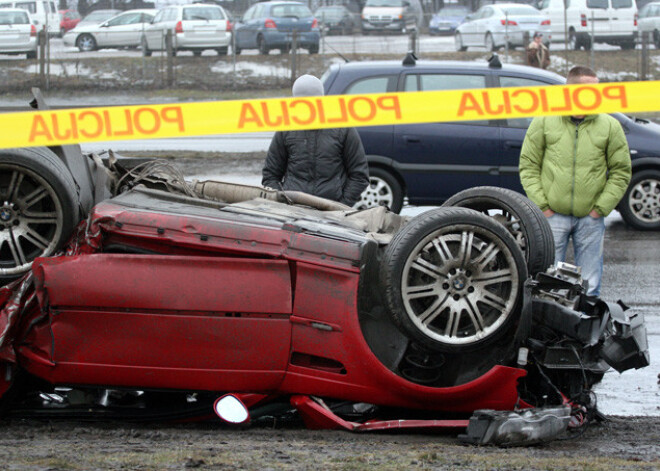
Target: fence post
<point>646,37</point>
<point>41,38</point>
<point>592,59</point>
<point>526,42</point>
<point>170,58</point>
<point>294,55</point>
<point>412,41</point>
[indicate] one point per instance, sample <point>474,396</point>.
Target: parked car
<point>392,16</point>
<point>42,13</point>
<point>270,25</point>
<point>194,27</point>
<point>493,26</point>
<point>428,163</point>
<point>588,21</point>
<point>649,21</point>
<point>123,30</point>
<point>447,19</point>
<point>18,35</point>
<point>98,16</point>
<point>68,20</point>
<point>336,19</point>
<point>426,318</point>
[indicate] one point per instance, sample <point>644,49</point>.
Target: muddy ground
<point>619,444</point>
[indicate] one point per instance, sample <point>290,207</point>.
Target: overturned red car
<point>170,294</point>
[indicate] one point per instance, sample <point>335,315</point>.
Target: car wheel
<point>222,51</point>
<point>314,49</point>
<point>262,46</point>
<point>522,218</point>
<point>146,52</point>
<point>285,50</point>
<point>62,31</point>
<point>656,39</point>
<point>458,42</point>
<point>38,207</point>
<point>586,44</point>
<point>383,190</point>
<point>453,280</point>
<point>640,206</point>
<point>31,55</point>
<point>627,45</point>
<point>197,53</point>
<point>489,42</point>
<point>86,43</point>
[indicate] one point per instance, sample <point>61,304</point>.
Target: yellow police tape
<point>68,126</point>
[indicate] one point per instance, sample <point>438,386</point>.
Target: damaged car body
<point>170,294</point>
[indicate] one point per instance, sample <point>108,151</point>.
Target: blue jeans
<point>588,234</point>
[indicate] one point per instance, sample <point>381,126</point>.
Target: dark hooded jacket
<point>329,163</point>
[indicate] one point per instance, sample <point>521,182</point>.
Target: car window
<point>290,11</point>
<point>209,13</point>
<point>622,4</point>
<point>52,7</point>
<point>600,4</point>
<point>381,84</point>
<point>127,19</point>
<point>429,82</point>
<point>29,6</point>
<point>170,14</point>
<point>13,18</point>
<point>158,18</point>
<point>505,82</point>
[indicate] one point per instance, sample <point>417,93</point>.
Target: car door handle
<point>411,138</point>
<point>512,145</point>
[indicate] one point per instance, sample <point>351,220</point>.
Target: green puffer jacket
<point>573,169</point>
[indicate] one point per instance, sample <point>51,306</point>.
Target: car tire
<point>146,52</point>
<point>262,46</point>
<point>31,55</point>
<point>453,280</point>
<point>384,190</point>
<point>458,42</point>
<point>314,49</point>
<point>522,218</point>
<point>627,45</point>
<point>222,51</point>
<point>86,43</point>
<point>489,43</point>
<point>573,42</point>
<point>656,39</point>
<point>197,53</point>
<point>640,206</point>
<point>38,207</point>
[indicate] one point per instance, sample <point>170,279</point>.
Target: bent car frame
<point>170,294</point>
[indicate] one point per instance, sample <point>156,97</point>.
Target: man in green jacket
<point>576,169</point>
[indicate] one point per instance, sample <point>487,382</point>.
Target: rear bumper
<point>277,39</point>
<point>19,48</point>
<point>184,43</point>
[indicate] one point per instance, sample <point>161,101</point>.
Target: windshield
<point>520,11</point>
<point>201,13</point>
<point>330,13</point>
<point>453,11</point>
<point>384,3</point>
<point>99,16</point>
<point>290,11</point>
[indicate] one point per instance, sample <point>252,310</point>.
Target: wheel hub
<point>7,213</point>
<point>458,283</point>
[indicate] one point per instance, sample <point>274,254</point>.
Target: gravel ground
<point>620,443</point>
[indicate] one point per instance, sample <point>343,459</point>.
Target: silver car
<point>194,27</point>
<point>649,21</point>
<point>123,30</point>
<point>493,26</point>
<point>18,35</point>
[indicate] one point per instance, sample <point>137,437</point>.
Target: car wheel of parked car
<point>523,219</point>
<point>86,43</point>
<point>31,55</point>
<point>146,52</point>
<point>640,206</point>
<point>222,51</point>
<point>573,42</point>
<point>314,49</point>
<point>262,46</point>
<point>627,45</point>
<point>458,42</point>
<point>656,39</point>
<point>38,207</point>
<point>197,53</point>
<point>453,279</point>
<point>489,42</point>
<point>383,190</point>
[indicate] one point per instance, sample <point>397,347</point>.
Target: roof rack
<point>410,59</point>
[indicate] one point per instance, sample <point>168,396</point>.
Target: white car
<point>123,30</point>
<point>194,27</point>
<point>649,20</point>
<point>18,35</point>
<point>493,26</point>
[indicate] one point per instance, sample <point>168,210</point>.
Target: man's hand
<point>594,214</point>
<point>548,212</point>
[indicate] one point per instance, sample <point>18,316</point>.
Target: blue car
<point>429,162</point>
<point>447,19</point>
<point>271,25</point>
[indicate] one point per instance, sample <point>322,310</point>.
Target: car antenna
<point>410,59</point>
<point>337,52</point>
<point>494,62</point>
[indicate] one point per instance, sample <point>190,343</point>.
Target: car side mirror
<point>231,409</point>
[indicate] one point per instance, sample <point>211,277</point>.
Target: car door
<point>246,36</point>
<point>469,30</point>
<point>440,159</point>
<point>123,30</point>
<point>153,31</point>
<point>599,17</point>
<point>513,134</point>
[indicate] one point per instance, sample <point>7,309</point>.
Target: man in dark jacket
<point>329,163</point>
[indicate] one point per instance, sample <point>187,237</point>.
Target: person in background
<point>576,169</point>
<point>538,54</point>
<point>329,163</point>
